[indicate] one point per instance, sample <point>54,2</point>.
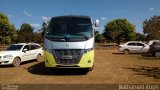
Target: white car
<point>152,41</point>
<point>134,47</point>
<point>17,53</point>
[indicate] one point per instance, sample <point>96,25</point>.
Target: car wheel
<point>157,53</point>
<point>38,57</point>
<point>16,62</point>
<point>152,54</point>
<point>126,51</point>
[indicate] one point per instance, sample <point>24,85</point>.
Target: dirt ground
<point>111,67</point>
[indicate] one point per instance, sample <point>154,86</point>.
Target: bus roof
<point>74,16</point>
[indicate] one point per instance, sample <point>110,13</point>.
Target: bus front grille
<point>68,56</point>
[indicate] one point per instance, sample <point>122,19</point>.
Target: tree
<point>14,37</point>
<point>140,37</point>
<point>151,27</point>
<point>25,33</point>
<point>7,30</point>
<point>98,38</point>
<point>96,33</point>
<point>119,30</point>
<point>26,28</point>
<point>38,38</point>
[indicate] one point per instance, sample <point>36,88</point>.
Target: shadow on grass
<point>121,53</point>
<point>6,66</point>
<point>40,69</point>
<point>145,71</point>
<point>22,63</point>
<point>148,57</point>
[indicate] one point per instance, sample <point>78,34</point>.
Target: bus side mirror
<point>44,25</point>
<point>97,23</point>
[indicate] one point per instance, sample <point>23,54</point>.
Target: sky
<point>35,12</point>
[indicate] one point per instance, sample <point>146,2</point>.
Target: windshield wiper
<point>65,37</point>
<point>85,37</point>
<point>56,39</point>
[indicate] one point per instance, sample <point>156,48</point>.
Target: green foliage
<point>96,33</point>
<point>8,39</point>
<point>26,28</point>
<point>151,27</point>
<point>37,38</point>
<point>119,30</point>
<point>26,34</point>
<point>30,37</point>
<point>140,37</point>
<point>9,34</point>
<point>14,37</point>
<point>98,38</point>
<point>6,29</point>
<point>24,37</point>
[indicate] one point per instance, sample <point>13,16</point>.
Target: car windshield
<point>72,28</point>
<point>14,48</point>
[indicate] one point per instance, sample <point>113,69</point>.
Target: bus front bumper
<point>86,61</point>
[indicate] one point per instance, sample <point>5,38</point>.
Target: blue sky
<point>35,12</point>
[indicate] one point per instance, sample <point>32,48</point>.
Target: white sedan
<point>133,47</point>
<point>17,53</point>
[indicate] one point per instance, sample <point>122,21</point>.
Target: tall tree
<point>119,30</point>
<point>140,37</point>
<point>98,38</point>
<point>7,30</point>
<point>151,27</point>
<point>25,33</point>
<point>96,33</point>
<point>26,28</point>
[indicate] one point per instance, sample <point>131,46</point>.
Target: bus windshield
<point>70,27</point>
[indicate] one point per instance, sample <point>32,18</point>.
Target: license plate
<point>66,57</point>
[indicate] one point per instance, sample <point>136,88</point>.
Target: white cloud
<point>10,15</point>
<point>156,10</point>
<point>27,13</point>
<point>151,9</point>
<point>104,18</point>
<point>36,26</point>
<point>45,18</point>
<point>139,21</point>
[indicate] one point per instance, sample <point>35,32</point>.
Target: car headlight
<point>84,51</point>
<point>7,56</point>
